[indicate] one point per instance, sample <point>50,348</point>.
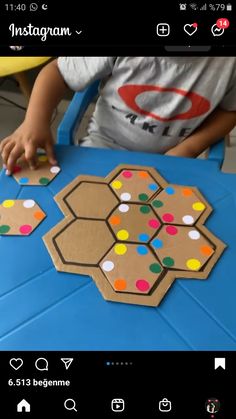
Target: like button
<point>16,363</point>
<point>190,28</point>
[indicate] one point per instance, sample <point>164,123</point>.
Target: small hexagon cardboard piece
<point>41,176</point>
<point>135,185</point>
<point>19,217</point>
<point>143,276</point>
<point>136,223</point>
<point>133,233</point>
<point>179,205</point>
<point>182,248</point>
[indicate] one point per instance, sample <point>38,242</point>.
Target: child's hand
<point>25,140</point>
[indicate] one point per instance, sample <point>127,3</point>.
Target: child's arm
<point>216,126</point>
<point>35,131</point>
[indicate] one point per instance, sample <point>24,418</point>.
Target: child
<point>171,105</point>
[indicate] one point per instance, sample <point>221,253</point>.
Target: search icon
<point>70,405</point>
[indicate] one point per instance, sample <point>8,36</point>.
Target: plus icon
<point>163,29</point>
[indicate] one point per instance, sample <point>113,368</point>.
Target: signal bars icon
<point>204,7</point>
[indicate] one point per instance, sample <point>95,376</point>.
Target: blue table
<point>42,309</point>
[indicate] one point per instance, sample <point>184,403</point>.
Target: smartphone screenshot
<point>117,210</point>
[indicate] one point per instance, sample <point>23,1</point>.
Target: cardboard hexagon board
<point>133,233</point>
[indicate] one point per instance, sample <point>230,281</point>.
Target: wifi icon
<point>193,6</point>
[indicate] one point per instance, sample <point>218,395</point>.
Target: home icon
<point>23,406</point>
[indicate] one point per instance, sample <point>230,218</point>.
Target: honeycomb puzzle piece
<point>178,205</point>
<point>133,233</point>
<point>136,223</point>
<point>183,248</point>
<point>19,217</point>
<point>41,176</point>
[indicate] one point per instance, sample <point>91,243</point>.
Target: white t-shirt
<point>151,103</point>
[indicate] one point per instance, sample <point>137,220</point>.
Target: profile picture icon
<point>16,47</point>
<point>212,405</point>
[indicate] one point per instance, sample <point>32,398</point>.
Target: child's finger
<point>3,143</point>
<point>50,153</point>
<point>14,155</point>
<point>30,155</point>
<point>6,151</point>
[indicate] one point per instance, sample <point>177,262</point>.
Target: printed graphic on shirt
<point>162,111</point>
<point>131,93</point>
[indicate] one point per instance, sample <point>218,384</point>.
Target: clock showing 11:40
<point>21,7</point>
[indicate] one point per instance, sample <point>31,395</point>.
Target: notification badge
<point>219,27</point>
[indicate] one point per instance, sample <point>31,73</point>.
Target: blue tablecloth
<point>42,309</point>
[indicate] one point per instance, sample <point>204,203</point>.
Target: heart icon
<point>16,363</point>
<point>190,28</point>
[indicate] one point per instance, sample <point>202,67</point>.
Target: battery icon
<point>229,7</point>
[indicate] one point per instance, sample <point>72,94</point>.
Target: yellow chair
<point>17,67</point>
